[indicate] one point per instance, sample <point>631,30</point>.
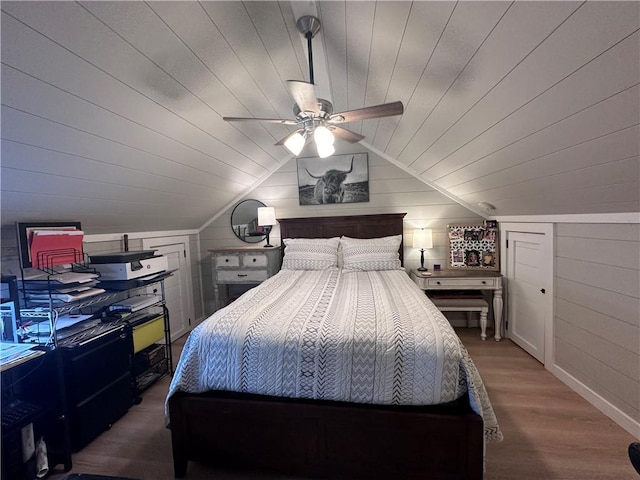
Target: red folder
<point>56,247</point>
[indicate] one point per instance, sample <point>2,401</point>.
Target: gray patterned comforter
<point>365,337</point>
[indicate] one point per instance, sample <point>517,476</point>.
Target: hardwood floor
<point>550,431</point>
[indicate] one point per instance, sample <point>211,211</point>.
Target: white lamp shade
<point>324,141</point>
<point>322,135</point>
<point>423,238</point>
<point>295,143</point>
<point>266,216</point>
<point>325,151</point>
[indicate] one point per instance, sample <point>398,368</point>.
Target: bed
<point>330,372</point>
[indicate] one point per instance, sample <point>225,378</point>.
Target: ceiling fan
<point>314,116</point>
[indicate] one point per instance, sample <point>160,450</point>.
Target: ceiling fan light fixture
<point>322,135</point>
<point>324,141</point>
<point>295,143</point>
<point>325,150</point>
<point>314,114</point>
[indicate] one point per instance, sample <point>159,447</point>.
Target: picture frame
<point>25,231</point>
<point>336,179</point>
<point>473,247</point>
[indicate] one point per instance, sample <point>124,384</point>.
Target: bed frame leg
<point>179,467</point>
<point>179,437</point>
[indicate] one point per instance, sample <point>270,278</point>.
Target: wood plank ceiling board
<point>613,115</point>
<point>426,22</point>
<point>165,56</point>
<point>359,18</point>
<point>578,41</point>
<point>103,103</point>
<point>616,115</point>
<point>236,26</point>
<point>38,133</point>
<point>523,26</point>
<point>389,23</point>
<point>610,175</point>
<point>185,53</point>
<point>619,145</point>
<point>467,28</point>
<point>333,35</point>
<point>64,114</point>
<point>608,75</point>
<point>31,160</point>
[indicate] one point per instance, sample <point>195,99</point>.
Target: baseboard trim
<point>602,404</point>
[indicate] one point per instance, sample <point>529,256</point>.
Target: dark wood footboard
<point>326,439</point>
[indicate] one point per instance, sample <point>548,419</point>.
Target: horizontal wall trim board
<point>628,217</point>
<point>107,237</point>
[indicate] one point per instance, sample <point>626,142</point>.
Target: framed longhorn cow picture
<point>335,179</point>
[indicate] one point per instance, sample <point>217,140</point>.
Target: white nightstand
<point>241,266</point>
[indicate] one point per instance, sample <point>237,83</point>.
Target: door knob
<point>542,290</point>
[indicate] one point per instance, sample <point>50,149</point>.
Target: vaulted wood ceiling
<point>112,111</point>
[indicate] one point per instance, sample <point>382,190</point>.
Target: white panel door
<point>177,287</point>
<point>526,293</point>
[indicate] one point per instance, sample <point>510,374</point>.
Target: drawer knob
<point>226,260</point>
<point>484,282</point>
<point>254,259</point>
<point>242,275</point>
<point>438,282</point>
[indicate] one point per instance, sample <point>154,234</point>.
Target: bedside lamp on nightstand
<point>422,238</point>
<point>267,219</point>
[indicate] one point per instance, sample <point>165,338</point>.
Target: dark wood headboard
<point>354,226</point>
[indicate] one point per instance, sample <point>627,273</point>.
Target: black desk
<point>32,396</point>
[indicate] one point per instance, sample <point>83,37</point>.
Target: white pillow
<point>371,253</point>
<point>310,253</point>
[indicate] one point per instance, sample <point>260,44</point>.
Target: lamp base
<point>268,229</point>
<point>423,269</point>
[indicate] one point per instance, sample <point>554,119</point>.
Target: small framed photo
<point>490,224</point>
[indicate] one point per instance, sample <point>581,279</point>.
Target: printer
<point>128,265</point>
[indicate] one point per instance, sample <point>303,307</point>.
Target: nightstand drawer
<point>257,260</point>
<point>227,261</point>
<point>241,276</point>
<point>461,282</point>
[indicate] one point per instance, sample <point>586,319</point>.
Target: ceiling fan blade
<point>384,110</point>
<point>347,135</point>
<point>304,94</point>
<point>281,121</point>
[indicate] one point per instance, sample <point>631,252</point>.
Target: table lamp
<point>422,238</point>
<point>267,218</point>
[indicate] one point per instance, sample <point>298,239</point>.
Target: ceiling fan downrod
<point>308,26</point>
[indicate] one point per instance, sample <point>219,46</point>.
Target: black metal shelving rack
<point>63,348</point>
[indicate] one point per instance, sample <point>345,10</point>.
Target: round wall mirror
<point>244,221</point>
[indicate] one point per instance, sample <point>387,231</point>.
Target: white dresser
<point>241,266</point>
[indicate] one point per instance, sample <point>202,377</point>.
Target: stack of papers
<point>11,353</point>
<point>42,280</point>
<point>69,295</point>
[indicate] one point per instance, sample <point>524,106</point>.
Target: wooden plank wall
<point>597,319</point>
<point>391,190</point>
